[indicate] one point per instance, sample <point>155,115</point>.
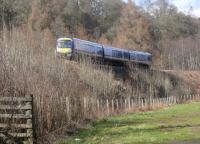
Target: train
<point>71,47</point>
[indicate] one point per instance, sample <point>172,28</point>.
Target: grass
<point>178,124</point>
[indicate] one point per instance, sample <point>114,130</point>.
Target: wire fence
<point>92,106</point>
<point>53,115</point>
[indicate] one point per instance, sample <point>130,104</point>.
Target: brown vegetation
<point>28,64</point>
<point>191,78</point>
<point>182,54</point>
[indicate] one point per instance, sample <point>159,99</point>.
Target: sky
<point>182,5</point>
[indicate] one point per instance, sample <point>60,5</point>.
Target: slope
<point>190,77</point>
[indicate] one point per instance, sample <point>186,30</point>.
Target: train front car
<point>64,48</point>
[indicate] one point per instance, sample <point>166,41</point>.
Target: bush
<point>14,12</point>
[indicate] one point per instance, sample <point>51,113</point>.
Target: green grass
<point>173,125</point>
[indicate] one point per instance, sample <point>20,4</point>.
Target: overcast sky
<point>183,5</point>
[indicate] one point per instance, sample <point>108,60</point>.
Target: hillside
<point>111,22</point>
<point>192,78</point>
<point>28,66</point>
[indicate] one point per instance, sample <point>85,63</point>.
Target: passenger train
<point>71,47</point>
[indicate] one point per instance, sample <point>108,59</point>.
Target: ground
<point>176,125</point>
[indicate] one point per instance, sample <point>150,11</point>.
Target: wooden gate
<point>16,119</point>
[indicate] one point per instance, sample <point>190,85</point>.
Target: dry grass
<point>28,66</point>
<point>155,83</point>
<point>182,54</point>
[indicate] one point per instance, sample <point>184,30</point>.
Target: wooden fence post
<point>68,108</point>
<point>112,103</point>
<point>125,103</point>
<point>84,106</point>
<point>129,103</point>
<point>141,101</point>
<point>173,99</point>
<point>107,106</point>
<point>169,100</point>
<point>98,105</point>
<point>31,122</point>
<point>152,102</point>
<point>132,104</point>
<point>117,102</point>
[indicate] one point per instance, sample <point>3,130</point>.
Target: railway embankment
<point>192,78</point>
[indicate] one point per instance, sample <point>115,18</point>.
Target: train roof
<point>131,51</point>
<point>140,52</point>
<point>110,47</point>
<point>64,38</point>
<point>87,42</point>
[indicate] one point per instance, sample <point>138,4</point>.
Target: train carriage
<point>116,53</point>
<point>88,48</point>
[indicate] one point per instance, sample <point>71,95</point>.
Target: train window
<point>64,44</point>
<point>95,49</point>
<point>141,57</point>
<point>90,48</point>
<point>98,50</point>
<point>117,54</point>
<point>149,58</point>
<point>126,55</point>
<point>133,56</point>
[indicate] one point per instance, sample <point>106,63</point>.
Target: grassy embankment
<point>176,125</point>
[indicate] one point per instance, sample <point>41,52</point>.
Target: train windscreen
<point>64,44</point>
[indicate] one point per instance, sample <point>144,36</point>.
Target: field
<point>176,125</point>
